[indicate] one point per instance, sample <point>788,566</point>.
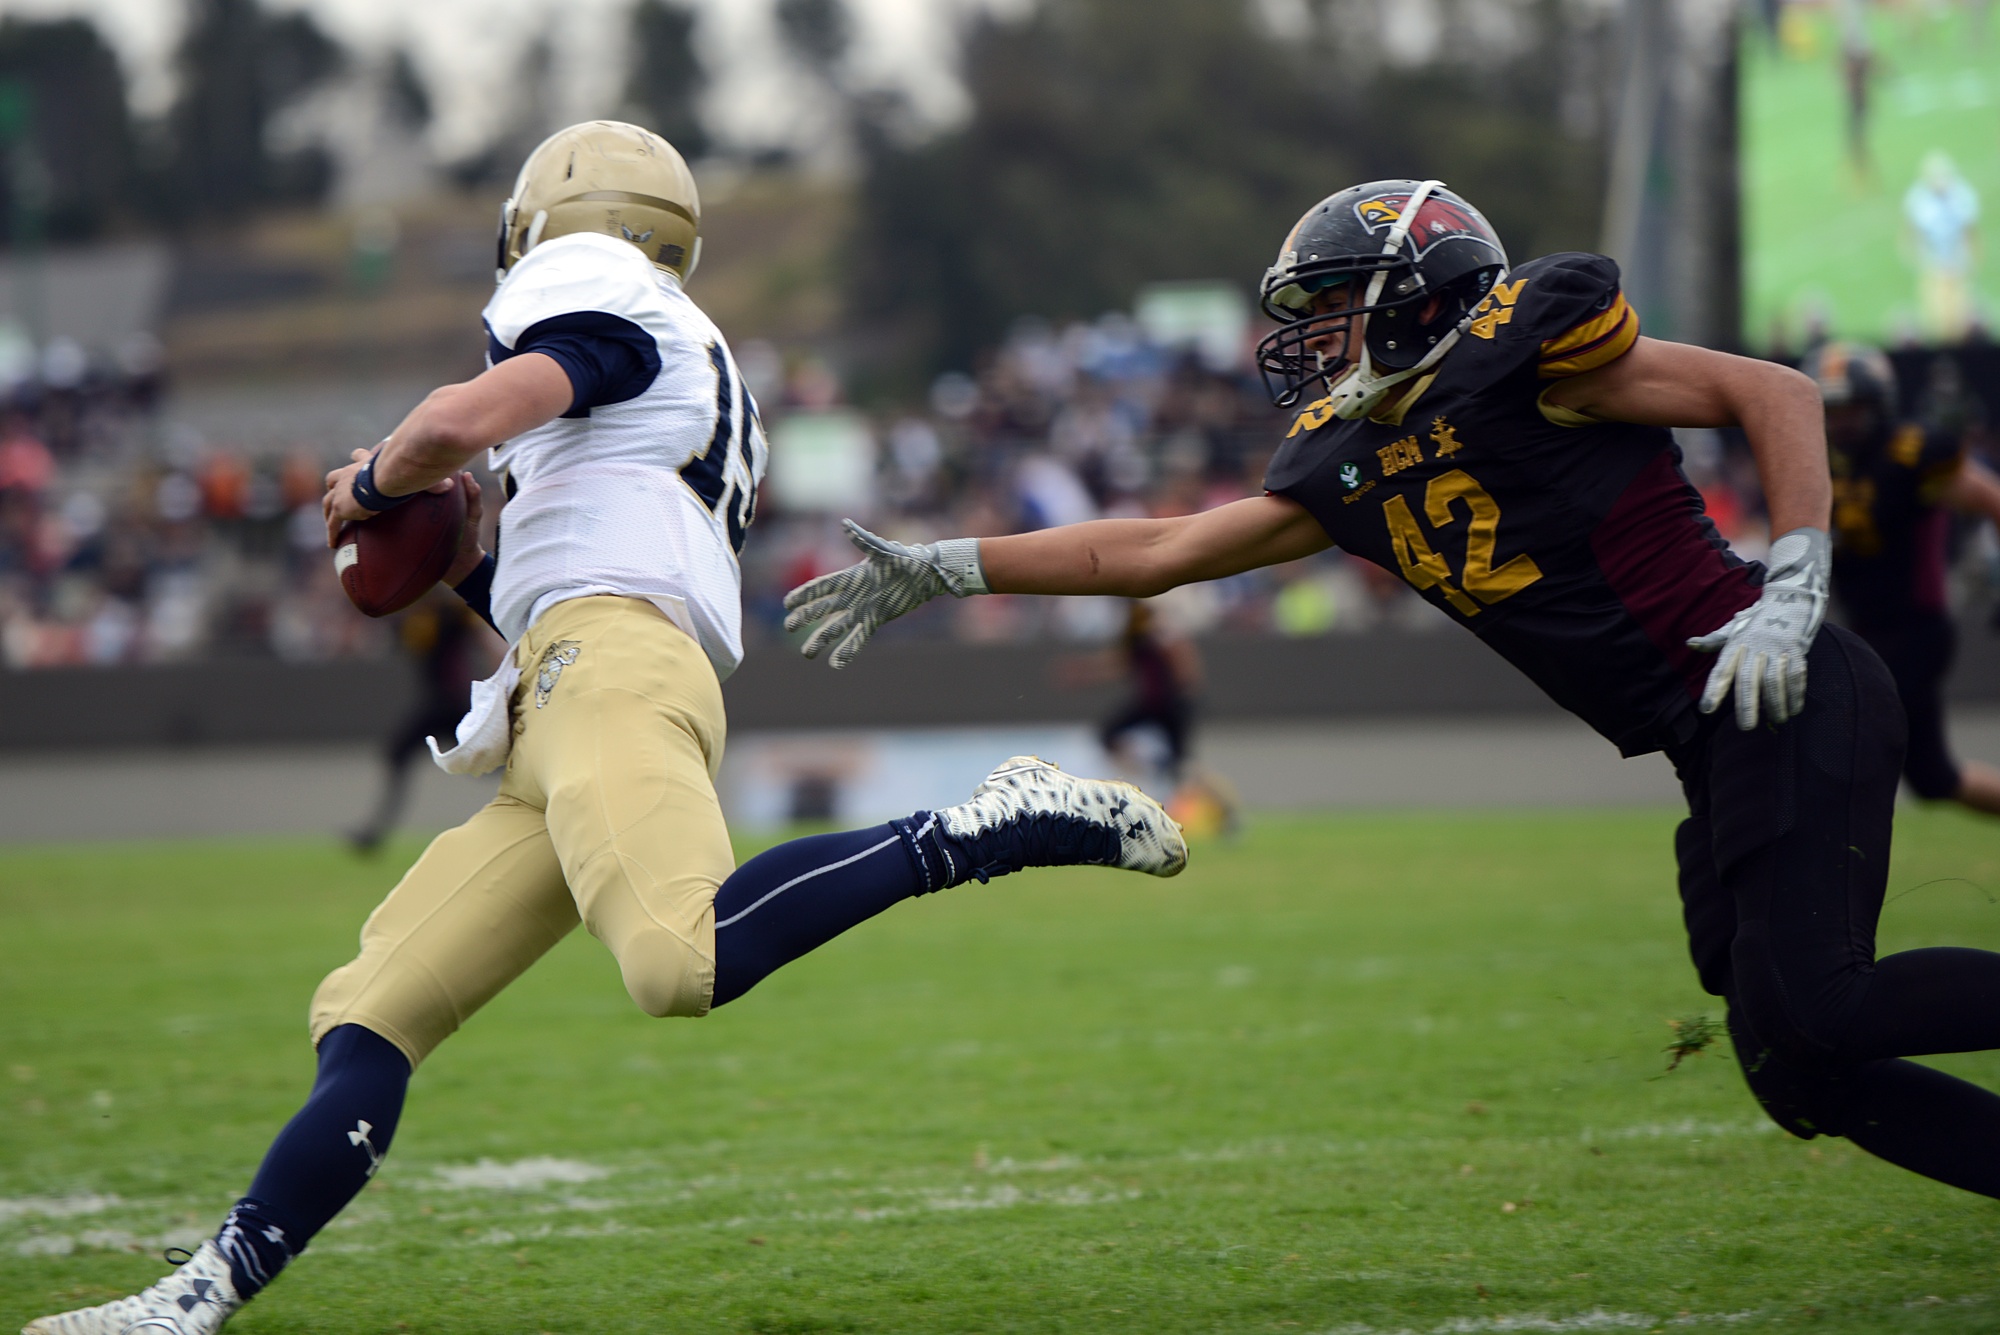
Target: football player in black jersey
<point>1499,435</point>
<point>1894,484</point>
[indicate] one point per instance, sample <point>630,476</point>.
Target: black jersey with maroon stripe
<point>1576,549</point>
<point>1889,528</point>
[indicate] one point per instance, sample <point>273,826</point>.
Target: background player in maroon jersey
<point>1498,435</point>
<point>1894,486</point>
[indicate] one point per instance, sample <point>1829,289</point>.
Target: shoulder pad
<point>1568,306</point>
<point>572,274</point>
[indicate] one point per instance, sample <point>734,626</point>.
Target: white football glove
<point>1764,646</point>
<point>891,580</point>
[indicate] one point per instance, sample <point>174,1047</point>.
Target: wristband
<point>366,494</point>
<point>958,565</point>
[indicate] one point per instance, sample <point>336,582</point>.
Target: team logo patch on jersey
<point>554,659</point>
<point>1446,438</point>
<point>1350,476</point>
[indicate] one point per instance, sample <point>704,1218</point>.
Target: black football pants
<point>1917,651</point>
<point>1784,860</point>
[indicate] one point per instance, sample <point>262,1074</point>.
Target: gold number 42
<point>1424,568</point>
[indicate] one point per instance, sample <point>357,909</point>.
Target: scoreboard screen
<point>1870,171</point>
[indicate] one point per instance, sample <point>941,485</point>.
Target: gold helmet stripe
<point>628,197</point>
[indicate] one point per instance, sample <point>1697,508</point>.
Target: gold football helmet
<point>612,178</point>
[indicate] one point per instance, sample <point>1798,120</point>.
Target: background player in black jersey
<point>1164,669</point>
<point>441,638</point>
<point>1894,486</point>
<point>1498,435</point>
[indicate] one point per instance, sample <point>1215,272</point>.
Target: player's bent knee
<point>1800,1099</point>
<point>665,976</point>
<point>1799,1023</point>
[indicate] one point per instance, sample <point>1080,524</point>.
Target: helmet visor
<point>1297,298</point>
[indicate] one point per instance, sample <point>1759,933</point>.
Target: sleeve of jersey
<point>578,299</point>
<point>1587,320</point>
<point>608,358</point>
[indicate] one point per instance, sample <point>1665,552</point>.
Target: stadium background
<point>987,266</point>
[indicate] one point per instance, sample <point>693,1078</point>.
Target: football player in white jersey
<point>632,454</point>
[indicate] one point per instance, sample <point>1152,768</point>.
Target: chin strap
<point>1360,389</point>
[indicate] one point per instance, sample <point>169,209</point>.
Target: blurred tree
<point>409,96</point>
<point>667,76</point>
<point>74,145</point>
<point>239,67</point>
<point>818,34</point>
<point>1113,143</point>
<point>529,118</point>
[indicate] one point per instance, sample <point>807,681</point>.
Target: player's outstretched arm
<point>453,423</point>
<point>1131,558</point>
<point>1761,651</point>
<point>1676,384</point>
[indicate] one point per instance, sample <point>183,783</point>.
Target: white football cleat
<point>195,1300</point>
<point>1029,813</point>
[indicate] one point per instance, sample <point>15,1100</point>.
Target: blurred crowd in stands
<point>123,540</point>
<point>126,540</point>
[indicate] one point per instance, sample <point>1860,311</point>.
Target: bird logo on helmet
<point>1411,260</point>
<point>612,178</point>
<point>1439,218</point>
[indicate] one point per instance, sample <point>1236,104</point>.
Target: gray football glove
<point>1763,647</point>
<point>890,580</point>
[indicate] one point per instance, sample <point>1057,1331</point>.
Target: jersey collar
<point>1394,416</point>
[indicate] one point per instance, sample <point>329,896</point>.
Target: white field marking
<point>1061,1163</point>
<point>521,1175</point>
<point>55,1207</point>
<point>1687,1128</point>
<point>503,1237</point>
<point>105,1240</point>
<point>1595,1319</point>
<point>578,1204</point>
<point>505,1230</point>
<point>1260,1149</point>
<point>1000,1198</point>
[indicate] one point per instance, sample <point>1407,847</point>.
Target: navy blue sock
<point>322,1159</point>
<point>795,898</point>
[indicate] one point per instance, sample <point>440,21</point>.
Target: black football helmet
<point>1853,373</point>
<point>1396,245</point>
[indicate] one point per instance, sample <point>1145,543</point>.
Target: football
<point>388,562</point>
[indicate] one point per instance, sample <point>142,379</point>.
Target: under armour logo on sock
<point>359,1139</point>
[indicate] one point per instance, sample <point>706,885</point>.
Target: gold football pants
<point>607,815</point>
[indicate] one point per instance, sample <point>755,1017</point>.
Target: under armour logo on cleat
<point>197,1295</point>
<point>359,1139</point>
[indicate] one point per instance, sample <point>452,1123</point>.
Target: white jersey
<point>648,498</point>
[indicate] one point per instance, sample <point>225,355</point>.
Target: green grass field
<point>1357,1074</point>
<point>1817,232</point>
